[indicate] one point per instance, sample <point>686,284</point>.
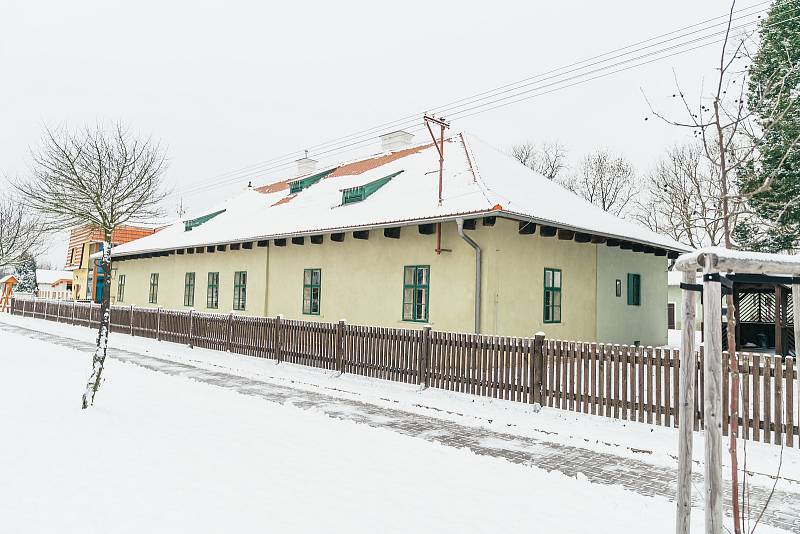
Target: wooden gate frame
<point>712,262</point>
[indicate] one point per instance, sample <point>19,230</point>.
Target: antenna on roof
<point>306,151</point>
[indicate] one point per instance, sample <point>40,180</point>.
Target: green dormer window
<point>298,185</point>
<point>359,193</point>
<point>192,223</point>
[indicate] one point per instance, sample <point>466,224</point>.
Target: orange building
<point>87,276</point>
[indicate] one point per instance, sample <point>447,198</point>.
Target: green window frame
<point>312,291</point>
<point>416,293</point>
<point>239,290</point>
<point>212,293</point>
<point>120,288</point>
<point>552,295</point>
<point>153,295</point>
<point>634,289</point>
<point>188,289</point>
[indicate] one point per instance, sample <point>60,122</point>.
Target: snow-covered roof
<point>51,276</point>
<point>478,180</point>
<point>6,278</point>
<point>740,261</point>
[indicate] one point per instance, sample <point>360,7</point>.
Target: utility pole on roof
<point>439,147</point>
<point>438,144</point>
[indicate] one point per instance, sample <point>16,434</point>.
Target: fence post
<point>58,311</point>
<point>72,322</point>
<point>538,367</point>
<point>424,357</point>
<point>340,346</point>
<point>230,330</point>
<point>24,306</point>
<point>158,323</point>
<point>12,306</point>
<point>279,338</point>
<point>46,302</point>
<point>191,328</point>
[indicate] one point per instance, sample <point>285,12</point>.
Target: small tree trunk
<point>99,357</point>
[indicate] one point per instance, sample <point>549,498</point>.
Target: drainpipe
<point>474,245</point>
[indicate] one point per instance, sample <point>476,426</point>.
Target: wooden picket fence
<point>618,381</point>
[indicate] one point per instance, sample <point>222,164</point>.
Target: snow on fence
<point>619,381</point>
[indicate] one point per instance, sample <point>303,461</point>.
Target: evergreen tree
<point>773,92</point>
<point>26,276</point>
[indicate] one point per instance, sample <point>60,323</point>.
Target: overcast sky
<point>225,85</point>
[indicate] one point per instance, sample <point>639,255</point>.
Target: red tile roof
<point>350,169</point>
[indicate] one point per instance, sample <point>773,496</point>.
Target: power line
<point>248,172</point>
<point>436,109</point>
<point>514,96</point>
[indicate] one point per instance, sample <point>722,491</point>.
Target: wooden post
<point>340,345</point>
<point>538,366</point>
<point>278,338</point>
<point>46,302</point>
<point>131,317</point>
<point>688,362</point>
<point>712,398</point>
<point>24,306</point>
<point>796,309</point>
<point>58,311</point>
<point>424,357</point>
<point>191,328</point>
<point>230,331</point>
<point>778,320</point>
<point>158,324</point>
<point>73,313</point>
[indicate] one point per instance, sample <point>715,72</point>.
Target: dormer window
<point>193,223</point>
<point>298,185</point>
<point>359,193</point>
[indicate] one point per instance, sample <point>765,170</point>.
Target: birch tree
<point>548,158</point>
<point>20,233</point>
<point>102,177</point>
<point>682,198</point>
<point>606,180</point>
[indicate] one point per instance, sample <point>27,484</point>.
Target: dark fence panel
<point>619,381</point>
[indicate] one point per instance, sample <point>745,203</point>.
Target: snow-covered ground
<point>161,453</point>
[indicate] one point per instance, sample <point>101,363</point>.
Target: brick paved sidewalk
<point>599,468</point>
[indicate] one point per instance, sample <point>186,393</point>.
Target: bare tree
<point>20,233</point>
<point>682,197</point>
<point>101,177</point>
<point>605,180</point>
<point>548,159</point>
<point>730,134</point>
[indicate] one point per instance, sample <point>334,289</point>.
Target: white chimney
<point>306,166</point>
<point>396,140</point>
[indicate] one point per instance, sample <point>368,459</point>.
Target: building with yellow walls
<point>504,251</point>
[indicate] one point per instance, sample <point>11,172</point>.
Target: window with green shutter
<point>240,290</point>
<point>416,289</point>
<point>634,289</point>
<point>212,294</point>
<point>153,296</point>
<point>188,290</point>
<point>552,295</point>
<point>312,291</point>
<point>121,288</point>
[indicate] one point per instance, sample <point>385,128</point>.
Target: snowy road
<point>597,468</point>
